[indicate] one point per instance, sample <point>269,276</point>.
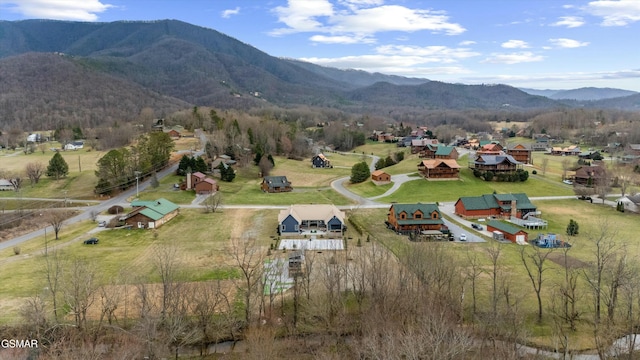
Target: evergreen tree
<point>573,228</point>
<point>360,172</point>
<point>200,165</point>
<point>380,164</point>
<point>226,172</point>
<point>185,162</point>
<point>58,167</point>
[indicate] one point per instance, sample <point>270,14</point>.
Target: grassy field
<point>380,149</point>
<point>368,188</point>
<point>468,185</point>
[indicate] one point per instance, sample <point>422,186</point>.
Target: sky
<point>540,44</point>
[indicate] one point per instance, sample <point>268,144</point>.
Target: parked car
<point>463,237</point>
<point>568,182</point>
<point>102,224</point>
<point>91,241</point>
<point>476,226</point>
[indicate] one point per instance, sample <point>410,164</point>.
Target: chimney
<point>188,181</point>
<point>514,210</point>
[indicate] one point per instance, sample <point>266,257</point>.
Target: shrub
<point>16,250</point>
<point>534,172</point>
<point>116,209</point>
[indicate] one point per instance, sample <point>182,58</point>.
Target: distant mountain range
<point>112,70</point>
<point>581,94</point>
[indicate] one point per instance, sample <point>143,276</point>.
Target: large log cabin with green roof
<point>502,206</point>
<point>414,218</point>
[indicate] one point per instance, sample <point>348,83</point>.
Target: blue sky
<point>542,44</point>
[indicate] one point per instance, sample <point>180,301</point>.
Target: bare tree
<point>473,271</point>
<point>213,202</point>
<point>207,300</point>
<point>604,252</point>
<point>56,219</point>
<point>34,171</point>
<point>34,313</point>
<point>265,166</point>
<point>249,258</point>
<point>79,290</point>
<point>565,167</point>
<point>494,251</point>
<point>534,264</point>
<point>53,269</point>
<point>166,266</point>
<point>544,165</point>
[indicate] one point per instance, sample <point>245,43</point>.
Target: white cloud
<point>567,43</point>
<point>404,60</point>
<point>515,44</point>
<point>78,10</point>
<point>397,65</point>
<point>230,12</point>
<point>569,21</point>
<point>513,58</point>
<point>442,54</point>
<point>358,19</point>
<point>467,43</point>
<point>615,12</point>
<point>342,39</point>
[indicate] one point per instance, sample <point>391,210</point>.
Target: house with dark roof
<point>275,184</point>
<point>414,218</point>
<point>310,218</point>
<point>495,205</point>
<point>590,176</point>
<point>520,152</point>
<point>495,163</point>
<point>206,186</point>
<point>150,214</point>
<point>320,161</point>
<point>508,231</point>
<point>439,169</point>
<point>446,152</point>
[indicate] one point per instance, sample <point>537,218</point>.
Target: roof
<point>199,175</point>
<point>497,159</point>
<point>519,147</point>
<point>378,173</point>
<point>155,209</point>
<point>210,181</point>
<point>444,150</point>
<point>412,208</point>
<point>321,156</point>
<point>504,227</point>
<point>634,146</point>
<point>434,163</point>
<point>490,201</point>
<point>586,172</point>
<point>311,212</point>
<point>5,182</point>
<point>276,181</point>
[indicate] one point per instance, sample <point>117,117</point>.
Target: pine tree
<point>58,167</point>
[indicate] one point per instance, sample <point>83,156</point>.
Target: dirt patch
<point>572,263</point>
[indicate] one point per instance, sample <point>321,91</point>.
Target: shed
<point>380,176</point>
<point>206,186</point>
<point>511,233</point>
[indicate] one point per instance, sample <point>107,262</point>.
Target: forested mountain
<point>114,70</point>
<point>40,91</point>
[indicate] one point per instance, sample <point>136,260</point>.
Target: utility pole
<point>137,189</point>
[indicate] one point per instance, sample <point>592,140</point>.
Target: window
<point>418,216</point>
<point>434,215</point>
<point>403,215</point>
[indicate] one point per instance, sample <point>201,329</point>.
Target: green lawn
<point>368,188</point>
<point>380,149</point>
<point>468,185</point>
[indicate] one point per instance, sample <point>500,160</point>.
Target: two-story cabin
<point>412,218</point>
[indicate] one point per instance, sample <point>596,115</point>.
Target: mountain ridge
<point>193,65</point>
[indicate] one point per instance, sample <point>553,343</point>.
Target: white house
<point>6,185</point>
<point>631,202</point>
<point>74,145</point>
